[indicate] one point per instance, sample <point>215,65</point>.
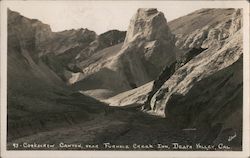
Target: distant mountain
<point>111,38</point>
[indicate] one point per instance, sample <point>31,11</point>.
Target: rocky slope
<point>38,100</point>
<point>197,93</point>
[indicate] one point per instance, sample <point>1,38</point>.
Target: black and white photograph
<point>125,76</point>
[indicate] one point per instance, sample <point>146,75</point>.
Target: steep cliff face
<point>227,49</point>
<point>147,49</point>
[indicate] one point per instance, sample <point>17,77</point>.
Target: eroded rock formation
<point>147,49</point>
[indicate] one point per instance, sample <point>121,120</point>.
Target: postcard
<point>124,79</point>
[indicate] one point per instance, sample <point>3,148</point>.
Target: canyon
<point>150,84</point>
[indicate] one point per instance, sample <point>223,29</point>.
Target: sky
<point>99,16</point>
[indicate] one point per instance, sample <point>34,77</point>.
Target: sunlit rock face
<point>148,47</point>
<point>148,29</point>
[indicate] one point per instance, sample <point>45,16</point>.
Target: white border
<point>121,154</point>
